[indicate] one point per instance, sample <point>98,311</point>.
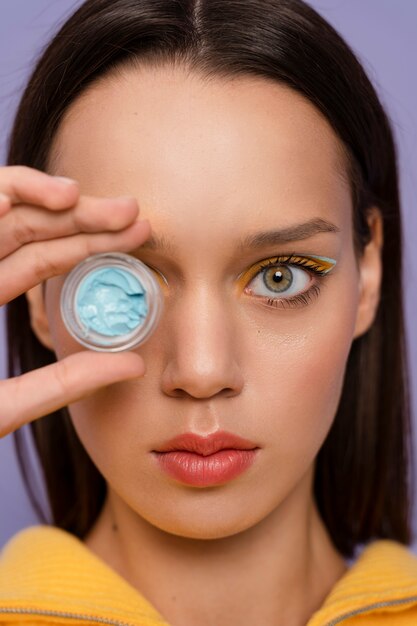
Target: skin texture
<point>211,163</point>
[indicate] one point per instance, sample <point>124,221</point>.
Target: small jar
<point>111,302</point>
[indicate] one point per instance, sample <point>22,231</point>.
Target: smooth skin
<point>211,163</point>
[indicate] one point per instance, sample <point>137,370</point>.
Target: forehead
<point>212,149</point>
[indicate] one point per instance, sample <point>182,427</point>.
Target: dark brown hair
<point>363,477</point>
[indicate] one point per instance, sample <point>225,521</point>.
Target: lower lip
<point>202,471</point>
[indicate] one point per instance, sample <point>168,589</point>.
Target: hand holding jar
<point>47,228</point>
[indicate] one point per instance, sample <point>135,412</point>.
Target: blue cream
<point>111,301</point>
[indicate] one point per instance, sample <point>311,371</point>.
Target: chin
<point>204,519</point>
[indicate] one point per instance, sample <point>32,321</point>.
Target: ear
<point>370,268</point>
<point>38,319</point>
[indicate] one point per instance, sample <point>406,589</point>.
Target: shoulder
<point>46,571</point>
<point>33,541</point>
<point>379,588</point>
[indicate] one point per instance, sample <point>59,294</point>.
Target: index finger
<point>44,390</point>
<point>25,184</point>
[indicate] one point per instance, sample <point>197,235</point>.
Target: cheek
<point>302,360</point>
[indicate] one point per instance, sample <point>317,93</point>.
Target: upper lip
<point>210,444</point>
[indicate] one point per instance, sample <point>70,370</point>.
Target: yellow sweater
<point>48,576</point>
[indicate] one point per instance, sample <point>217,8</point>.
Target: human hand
<point>46,228</point>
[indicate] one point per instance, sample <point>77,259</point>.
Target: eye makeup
<point>277,274</point>
<point>111,302</point>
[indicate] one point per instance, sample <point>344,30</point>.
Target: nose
<point>202,347</point>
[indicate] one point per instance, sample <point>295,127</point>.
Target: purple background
<point>381,32</point>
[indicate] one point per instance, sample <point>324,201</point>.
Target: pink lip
<point>205,461</point>
<point>219,440</point>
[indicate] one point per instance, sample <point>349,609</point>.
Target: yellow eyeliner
<point>324,263</point>
<point>319,264</point>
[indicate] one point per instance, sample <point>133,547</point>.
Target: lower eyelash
<point>301,299</point>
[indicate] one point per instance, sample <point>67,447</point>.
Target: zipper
<point>79,616</point>
<point>106,620</point>
<point>375,605</point>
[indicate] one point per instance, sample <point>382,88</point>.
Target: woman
<point>250,139</point>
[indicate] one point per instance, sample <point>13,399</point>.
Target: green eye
<point>286,281</point>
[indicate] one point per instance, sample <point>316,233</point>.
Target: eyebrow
<point>296,232</point>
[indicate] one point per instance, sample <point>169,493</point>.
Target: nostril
<point>191,379</point>
<point>179,393</point>
<point>182,393</point>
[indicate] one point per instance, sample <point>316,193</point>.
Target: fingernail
<point>4,198</point>
<point>67,181</point>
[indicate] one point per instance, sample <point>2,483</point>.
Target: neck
<point>286,563</point>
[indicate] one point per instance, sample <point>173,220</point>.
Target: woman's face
<point>212,166</point>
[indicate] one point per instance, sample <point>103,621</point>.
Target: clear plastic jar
<point>111,302</point>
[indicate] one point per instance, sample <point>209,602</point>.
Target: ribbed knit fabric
<point>44,568</point>
<point>379,589</point>
<point>48,576</point>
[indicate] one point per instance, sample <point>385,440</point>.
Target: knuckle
<point>44,266</point>
<point>63,375</point>
<point>79,219</point>
<point>89,245</point>
<point>22,230</point>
